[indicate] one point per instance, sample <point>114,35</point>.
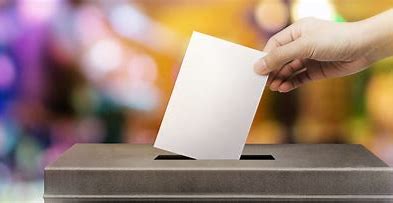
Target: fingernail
<point>274,89</point>
<point>282,90</point>
<point>260,67</point>
<point>274,86</point>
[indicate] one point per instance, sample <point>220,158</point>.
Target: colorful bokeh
<point>102,72</point>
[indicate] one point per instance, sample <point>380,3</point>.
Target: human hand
<point>313,49</point>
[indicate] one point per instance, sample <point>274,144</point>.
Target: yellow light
<point>271,14</point>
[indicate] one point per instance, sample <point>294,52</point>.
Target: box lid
<point>302,171</point>
<point>131,156</point>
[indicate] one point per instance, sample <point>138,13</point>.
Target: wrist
<point>375,36</point>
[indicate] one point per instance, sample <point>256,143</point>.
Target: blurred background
<point>102,71</point>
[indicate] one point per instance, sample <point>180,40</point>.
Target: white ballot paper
<point>214,100</point>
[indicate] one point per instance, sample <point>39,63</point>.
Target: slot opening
<point>242,157</point>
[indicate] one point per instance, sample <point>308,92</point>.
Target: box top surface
<point>141,157</point>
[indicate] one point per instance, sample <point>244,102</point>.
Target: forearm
<point>376,33</point>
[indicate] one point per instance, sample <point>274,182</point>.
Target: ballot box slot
<point>242,157</point>
<point>256,157</point>
<point>173,157</point>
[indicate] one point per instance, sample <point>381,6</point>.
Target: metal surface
<point>125,172</point>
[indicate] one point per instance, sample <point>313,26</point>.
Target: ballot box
<point>280,173</point>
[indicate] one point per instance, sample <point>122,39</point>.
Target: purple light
<point>7,72</point>
<point>9,29</point>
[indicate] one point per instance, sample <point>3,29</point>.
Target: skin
<point>312,49</point>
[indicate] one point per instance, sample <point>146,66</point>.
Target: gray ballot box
<point>280,173</point>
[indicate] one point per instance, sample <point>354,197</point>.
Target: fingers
<point>289,34</point>
<point>280,56</point>
<point>288,70</point>
<point>292,79</point>
<point>295,81</point>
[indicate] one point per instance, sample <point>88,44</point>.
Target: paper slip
<point>214,100</point>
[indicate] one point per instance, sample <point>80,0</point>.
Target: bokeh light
<point>379,101</point>
<point>103,57</point>
<point>128,21</point>
<point>7,138</point>
<point>28,156</point>
<point>8,29</point>
<point>142,68</point>
<point>322,9</point>
<point>89,25</point>
<point>7,72</point>
<point>5,177</point>
<point>37,10</point>
<point>272,15</point>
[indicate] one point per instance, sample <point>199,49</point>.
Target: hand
<point>312,49</point>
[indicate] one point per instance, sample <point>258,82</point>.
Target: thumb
<point>280,56</point>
